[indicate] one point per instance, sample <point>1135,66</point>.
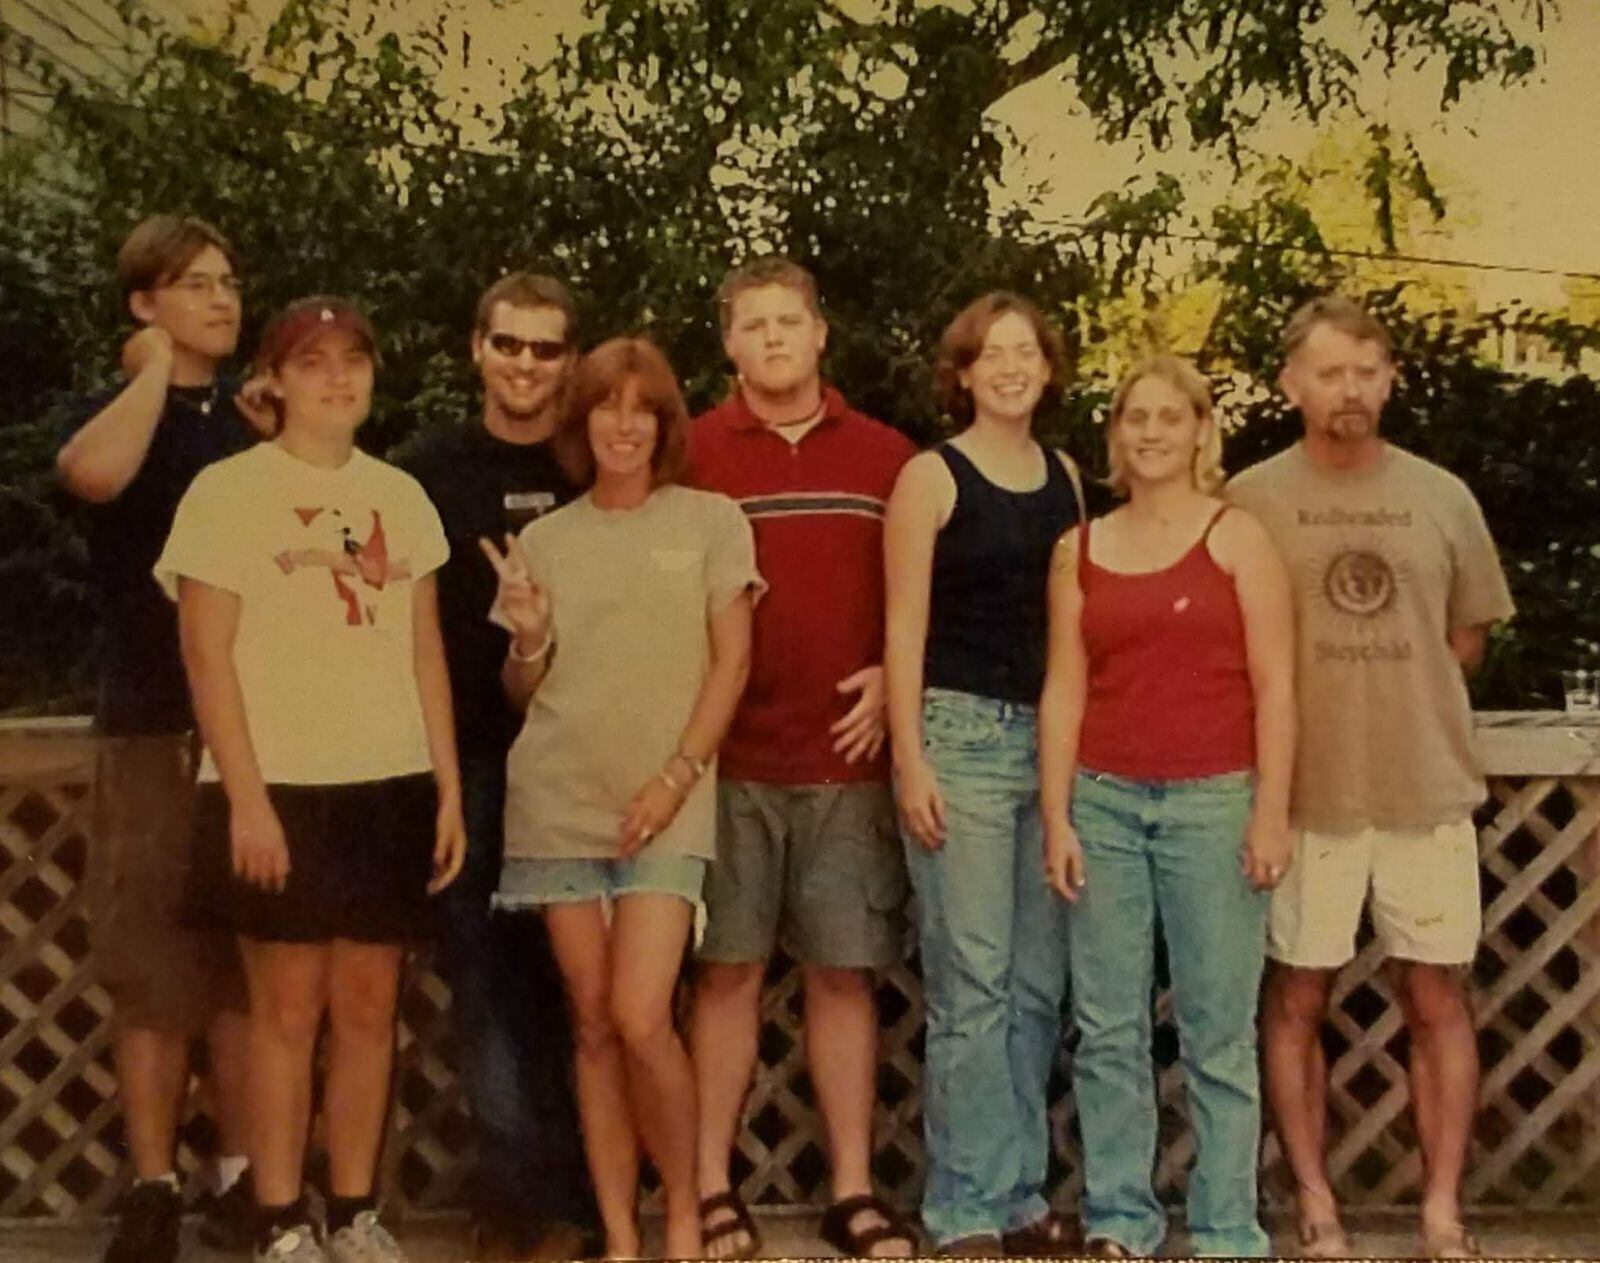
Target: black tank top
<point>991,564</point>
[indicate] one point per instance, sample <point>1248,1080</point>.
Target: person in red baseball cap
<point>329,809</point>
<point>303,322</point>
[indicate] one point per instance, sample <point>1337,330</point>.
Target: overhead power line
<point>1089,228</point>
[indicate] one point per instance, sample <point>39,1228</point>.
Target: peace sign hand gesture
<point>522,603</point>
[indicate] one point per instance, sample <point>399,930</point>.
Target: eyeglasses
<point>198,284</point>
<point>508,344</point>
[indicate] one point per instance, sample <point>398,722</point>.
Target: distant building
<point>86,41</point>
<point>1530,354</point>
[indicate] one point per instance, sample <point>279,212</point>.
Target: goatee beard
<point>1351,425</point>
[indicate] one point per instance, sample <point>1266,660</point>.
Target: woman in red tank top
<point>1166,738</point>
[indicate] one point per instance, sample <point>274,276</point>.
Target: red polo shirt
<point>816,507</point>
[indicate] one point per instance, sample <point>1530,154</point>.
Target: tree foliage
<point>640,159</point>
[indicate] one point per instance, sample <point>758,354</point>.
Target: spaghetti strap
<point>1083,555</point>
<point>1215,518</point>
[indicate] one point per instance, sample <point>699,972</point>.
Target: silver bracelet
<point>525,658</point>
<point>696,766</point>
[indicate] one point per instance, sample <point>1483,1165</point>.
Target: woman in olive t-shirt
<point>630,617</point>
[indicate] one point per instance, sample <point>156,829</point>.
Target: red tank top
<point>1169,680</point>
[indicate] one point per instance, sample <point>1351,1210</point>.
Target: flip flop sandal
<point>980,1245</point>
<point>1450,1242</point>
<point>1052,1235</point>
<point>1324,1241</point>
<point>729,1200</point>
<point>857,1243</point>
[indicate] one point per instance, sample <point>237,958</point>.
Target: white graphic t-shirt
<point>323,562</point>
<point>1385,562</point>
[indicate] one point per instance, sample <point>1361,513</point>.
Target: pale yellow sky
<point>1521,163</point>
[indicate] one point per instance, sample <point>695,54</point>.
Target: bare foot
<point>1441,1232</point>
<point>1321,1234</point>
<point>681,1235</point>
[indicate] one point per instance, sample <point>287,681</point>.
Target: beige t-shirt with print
<point>323,562</point>
<point>630,594</point>
<point>1385,561</point>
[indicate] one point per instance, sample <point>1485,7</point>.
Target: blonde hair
<point>769,269</point>
<point>1189,382</point>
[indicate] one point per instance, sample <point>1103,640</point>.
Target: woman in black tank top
<point>970,530</point>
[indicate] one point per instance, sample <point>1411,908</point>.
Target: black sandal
<point>729,1200</point>
<point>836,1230</point>
<point>1052,1235</point>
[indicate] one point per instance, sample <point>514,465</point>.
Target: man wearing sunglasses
<point>489,477</point>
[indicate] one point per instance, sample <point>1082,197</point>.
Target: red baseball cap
<point>308,318</point>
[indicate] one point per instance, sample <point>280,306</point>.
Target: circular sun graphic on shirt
<point>1356,583</point>
<point>1359,582</point>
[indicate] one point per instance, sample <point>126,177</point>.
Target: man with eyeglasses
<point>489,478</point>
<point>132,453</point>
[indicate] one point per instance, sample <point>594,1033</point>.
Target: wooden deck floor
<point>444,1240</point>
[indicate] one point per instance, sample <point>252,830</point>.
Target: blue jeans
<point>994,966</point>
<point>1167,848</point>
<point>515,1049</point>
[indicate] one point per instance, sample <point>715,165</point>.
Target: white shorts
<point>1424,886</point>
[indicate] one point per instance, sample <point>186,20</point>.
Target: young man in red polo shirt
<point>807,854</point>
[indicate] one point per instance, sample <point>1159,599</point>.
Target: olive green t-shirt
<point>1385,562</point>
<point>631,592</point>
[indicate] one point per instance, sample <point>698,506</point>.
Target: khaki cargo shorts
<point>162,974</point>
<point>815,869</point>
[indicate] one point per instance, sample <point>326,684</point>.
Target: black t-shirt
<point>482,487</point>
<point>142,687</point>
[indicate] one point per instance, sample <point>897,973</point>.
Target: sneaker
<point>147,1225</point>
<point>364,1241</point>
<point>295,1244</point>
<point>226,1217</point>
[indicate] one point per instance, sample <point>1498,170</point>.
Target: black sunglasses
<point>509,344</point>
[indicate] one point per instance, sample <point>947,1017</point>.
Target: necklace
<point>809,419</point>
<point>204,405</point>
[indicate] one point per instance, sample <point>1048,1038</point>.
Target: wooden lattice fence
<point>1536,995</point>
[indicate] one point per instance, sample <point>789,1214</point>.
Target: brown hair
<point>963,339</point>
<point>1344,314</point>
<point>1189,382</point>
<point>601,375</point>
<point>161,247</point>
<point>769,269</point>
<point>527,289</point>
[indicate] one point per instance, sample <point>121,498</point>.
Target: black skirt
<point>360,858</point>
